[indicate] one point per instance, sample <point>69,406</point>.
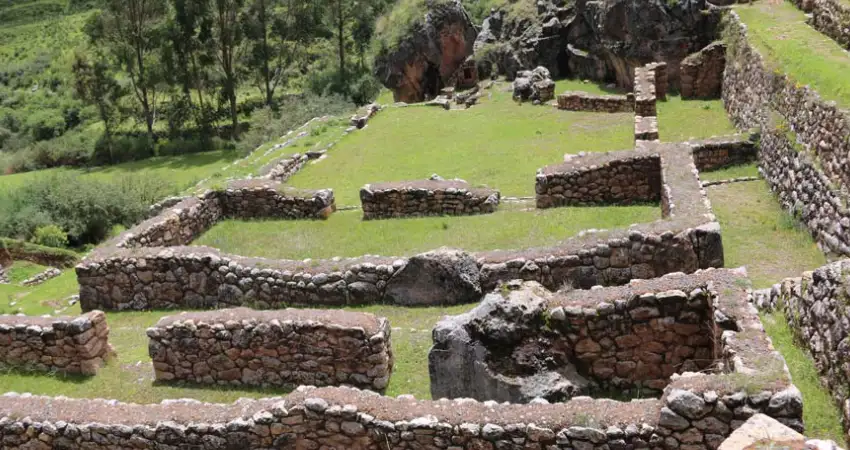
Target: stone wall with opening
<point>158,273</point>
<point>244,347</point>
<point>805,139</point>
<point>426,198</point>
<point>71,345</point>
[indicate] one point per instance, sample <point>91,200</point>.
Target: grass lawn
<point>129,377</point>
<point>182,172</point>
<point>346,235</point>
<point>739,171</point>
<point>497,143</point>
<point>780,33</point>
<point>821,416</point>
<point>682,120</point>
<point>758,234</point>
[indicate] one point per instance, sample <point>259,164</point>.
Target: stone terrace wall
<point>701,74</point>
<point>75,345</point>
<point>252,199</point>
<point>582,101</point>
<point>176,225</point>
<point>623,340</point>
<point>273,348</point>
<point>610,178</point>
<point>646,128</point>
<point>717,153</point>
<point>832,18</point>
<point>662,84</point>
<point>426,198</point>
<point>756,96</point>
<point>815,306</point>
<point>284,168</point>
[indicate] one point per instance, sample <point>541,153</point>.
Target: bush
<point>50,236</point>
<point>118,149</point>
<point>87,208</point>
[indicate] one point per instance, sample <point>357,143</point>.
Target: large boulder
<point>439,277</point>
<point>535,85</point>
<point>418,64</point>
<point>493,352</point>
<point>602,41</point>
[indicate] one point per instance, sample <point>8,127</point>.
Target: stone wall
<point>701,74</point>
<point>582,101</point>
<point>73,345</point>
<point>177,225</point>
<point>284,168</point>
<point>646,128</point>
<point>426,198</point>
<point>597,179</point>
<point>805,142</point>
<point>717,153</point>
<point>341,418</point>
<point>815,306</point>
<point>273,348</point>
<point>662,84</point>
<point>645,92</point>
<point>525,342</point>
<point>257,199</point>
<point>832,18</point>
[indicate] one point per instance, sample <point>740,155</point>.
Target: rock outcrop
<point>422,62</point>
<point>534,85</point>
<point>440,277</point>
<point>602,41</point>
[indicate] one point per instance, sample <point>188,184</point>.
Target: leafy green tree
<point>187,59</point>
<point>277,32</point>
<point>227,40</point>
<point>95,84</point>
<point>132,31</point>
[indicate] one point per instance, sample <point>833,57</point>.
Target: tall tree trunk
<point>266,69</point>
<point>234,115</point>
<point>340,26</point>
<point>142,86</point>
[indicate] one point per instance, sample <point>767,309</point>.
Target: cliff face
<point>602,40</point>
<point>424,59</point>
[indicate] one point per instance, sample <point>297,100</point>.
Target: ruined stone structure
<point>830,17</point>
<point>72,345</point>
<point>426,198</point>
<point>646,128</point>
<point>280,170</point>
<point>582,101</point>
<point>645,92</point>
<point>805,139</point>
<point>701,74</point>
<point>717,153</point>
<point>600,178</point>
<point>662,84</point>
<point>273,348</point>
<point>815,307</point>
<point>358,420</point>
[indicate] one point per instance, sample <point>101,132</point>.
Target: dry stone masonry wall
<point>73,345</point>
<point>720,152</point>
<point>582,101</point>
<point>256,199</point>
<point>701,74</point>
<point>645,92</point>
<point>273,348</point>
<point>805,139</point>
<point>593,179</point>
<point>284,168</point>
<point>426,198</point>
<point>524,342</point>
<point>815,306</point>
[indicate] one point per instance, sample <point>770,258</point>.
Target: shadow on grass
<point>35,373</point>
<point>260,391</point>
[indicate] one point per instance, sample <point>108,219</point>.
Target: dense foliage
<point>84,209</point>
<point>92,82</point>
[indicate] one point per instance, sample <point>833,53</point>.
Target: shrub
<point>86,208</point>
<point>118,149</point>
<point>50,236</point>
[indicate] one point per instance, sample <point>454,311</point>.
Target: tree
<point>189,32</point>
<point>277,31</point>
<point>341,11</point>
<point>130,30</point>
<point>95,84</point>
<point>227,40</point>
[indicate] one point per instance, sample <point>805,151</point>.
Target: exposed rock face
<point>441,277</point>
<point>602,41</point>
<point>463,364</point>
<point>422,63</point>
